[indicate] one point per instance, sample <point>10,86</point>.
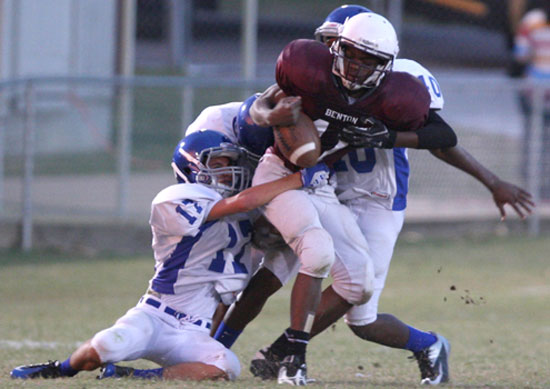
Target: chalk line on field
<point>20,344</point>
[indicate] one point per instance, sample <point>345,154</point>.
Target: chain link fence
<point>441,33</point>
<point>64,151</point>
<point>99,149</point>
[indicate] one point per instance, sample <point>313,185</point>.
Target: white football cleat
<point>293,371</point>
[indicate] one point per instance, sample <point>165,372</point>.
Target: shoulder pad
<point>303,67</point>
<point>187,191</point>
<point>417,70</point>
<point>405,102</point>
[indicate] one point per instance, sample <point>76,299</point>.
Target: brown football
<point>300,144</point>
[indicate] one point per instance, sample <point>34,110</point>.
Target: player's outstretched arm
<point>274,108</point>
<point>435,134</point>
<point>503,192</point>
<point>256,196</point>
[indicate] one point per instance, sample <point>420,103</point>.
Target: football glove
<point>371,133</point>
<point>316,176</point>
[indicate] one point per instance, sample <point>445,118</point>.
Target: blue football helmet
<point>191,162</point>
<point>328,31</point>
<point>253,138</point>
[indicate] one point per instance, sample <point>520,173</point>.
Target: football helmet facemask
<point>191,162</point>
<point>371,34</point>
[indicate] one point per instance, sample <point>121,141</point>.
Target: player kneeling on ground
<point>201,239</point>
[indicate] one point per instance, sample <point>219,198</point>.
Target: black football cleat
<point>51,369</point>
<point>433,362</point>
<point>265,364</point>
<point>111,370</point>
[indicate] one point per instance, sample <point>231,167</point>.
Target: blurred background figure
<point>532,56</point>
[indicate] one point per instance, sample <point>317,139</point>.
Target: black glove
<point>371,133</point>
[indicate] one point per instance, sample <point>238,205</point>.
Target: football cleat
<point>293,371</point>
<point>265,364</point>
<point>111,370</point>
<point>51,369</point>
<point>433,362</point>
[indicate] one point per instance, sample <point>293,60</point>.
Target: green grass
<point>489,297</point>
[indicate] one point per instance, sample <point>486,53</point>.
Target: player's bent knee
<point>354,293</point>
<point>364,314</point>
<point>360,295</point>
<point>116,343</point>
<point>107,345</point>
<point>227,361</point>
<point>361,292</point>
<point>365,296</point>
<point>316,252</point>
<point>232,365</point>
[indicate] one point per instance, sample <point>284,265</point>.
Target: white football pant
<point>322,232</point>
<point>150,333</point>
<point>381,227</point>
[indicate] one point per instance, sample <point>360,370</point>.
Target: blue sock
<point>148,374</point>
<point>225,335</point>
<point>66,369</point>
<point>419,340</point>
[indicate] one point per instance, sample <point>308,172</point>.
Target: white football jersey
<point>383,174</point>
<point>218,118</point>
<point>198,262</point>
<point>424,75</point>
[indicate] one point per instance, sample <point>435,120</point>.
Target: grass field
<point>489,297</point>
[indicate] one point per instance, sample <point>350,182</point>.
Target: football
<point>300,144</point>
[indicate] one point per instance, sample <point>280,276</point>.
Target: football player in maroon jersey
<point>360,83</point>
<point>351,88</point>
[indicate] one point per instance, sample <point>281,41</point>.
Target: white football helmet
<point>370,33</point>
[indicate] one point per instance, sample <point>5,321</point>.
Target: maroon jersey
<point>304,68</point>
